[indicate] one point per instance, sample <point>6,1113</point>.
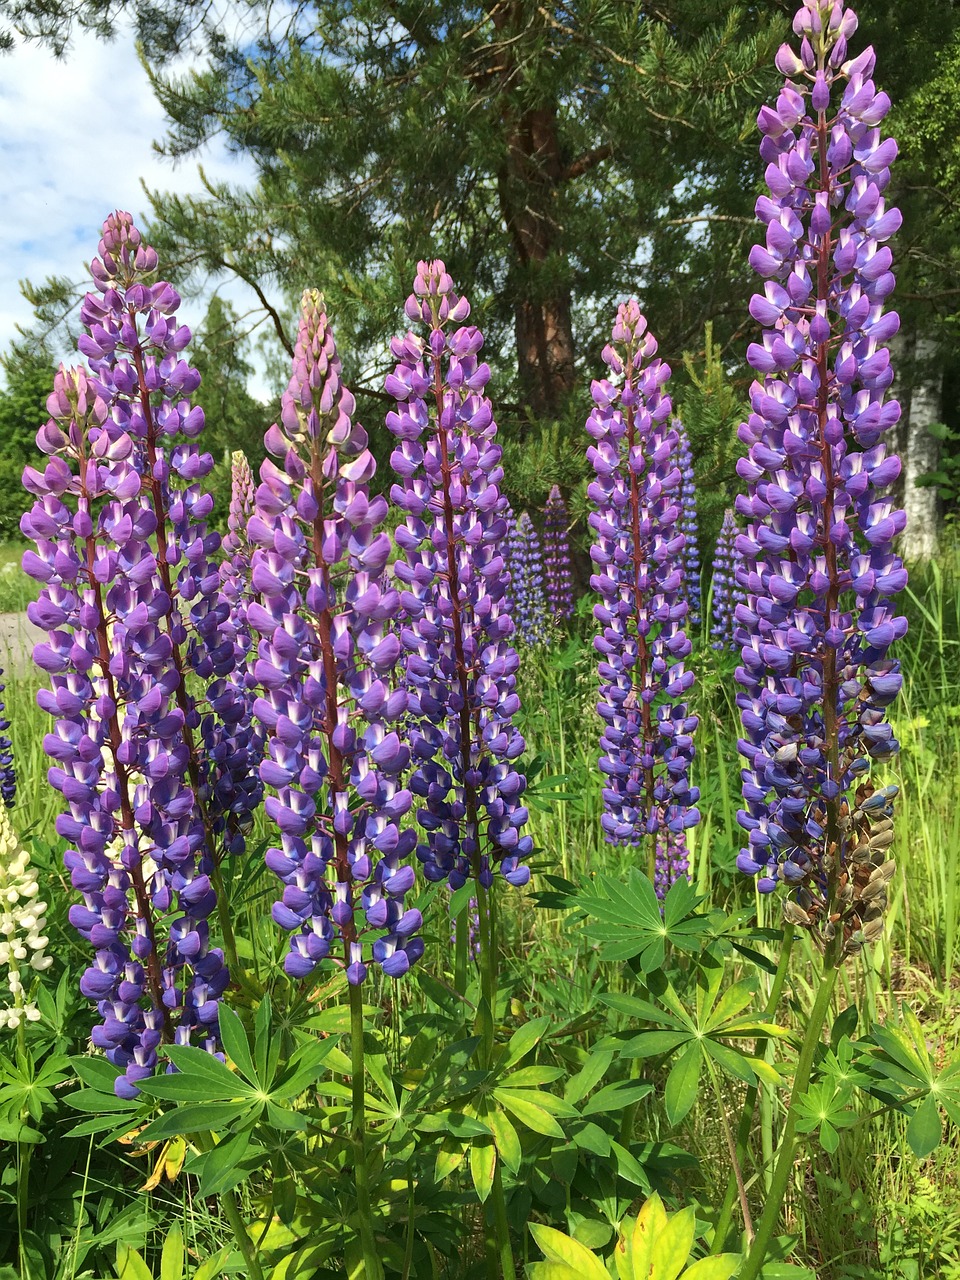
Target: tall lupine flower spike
<point>129,601</point>
<point>725,592</point>
<point>688,523</point>
<point>328,666</point>
<point>672,861</point>
<point>527,594</point>
<point>556,556</point>
<point>234,743</point>
<point>818,567</point>
<point>460,663</point>
<point>8,773</point>
<point>647,740</point>
<point>23,918</point>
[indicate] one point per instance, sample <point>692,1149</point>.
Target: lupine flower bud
<point>725,592</point>
<point>129,601</point>
<point>528,597</point>
<point>8,773</point>
<point>23,919</point>
<point>647,739</point>
<point>327,663</point>
<point>818,565</point>
<point>688,523</point>
<point>460,662</point>
<point>556,556</point>
<point>673,861</point>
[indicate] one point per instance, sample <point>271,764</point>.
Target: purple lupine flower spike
<point>688,523</point>
<point>647,740</point>
<point>556,556</point>
<point>8,772</point>
<point>527,594</point>
<point>327,663</point>
<point>726,592</point>
<point>818,564</point>
<point>460,662</point>
<point>672,861</point>
<point>129,600</point>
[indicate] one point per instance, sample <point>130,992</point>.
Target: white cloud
<point>75,142</point>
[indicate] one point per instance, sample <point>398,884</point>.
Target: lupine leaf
<point>130,1266</point>
<point>483,1163</point>
<point>506,1139</point>
<point>172,1259</point>
<point>561,1249</point>
<point>925,1129</point>
<point>589,1075</point>
<point>528,1112</point>
<point>524,1039</point>
<point>721,1267</point>
<point>235,1045</point>
<point>614,1097</point>
<point>190,1061</point>
<point>682,1085</point>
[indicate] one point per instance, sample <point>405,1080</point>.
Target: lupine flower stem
<point>750,1099</point>
<point>372,1266</point>
<point>788,1141</point>
<point>231,1208</point>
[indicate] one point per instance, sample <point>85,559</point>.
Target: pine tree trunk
<point>528,183</point>
<point>922,452</point>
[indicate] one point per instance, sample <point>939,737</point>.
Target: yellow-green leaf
<point>483,1163</point>
<point>211,1268</point>
<point>651,1221</point>
<point>672,1245</point>
<point>172,1257</point>
<point>721,1267</point>
<point>505,1136</point>
<point>449,1158</point>
<point>130,1266</point>
<point>560,1249</point>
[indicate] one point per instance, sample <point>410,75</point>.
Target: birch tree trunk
<point>922,452</point>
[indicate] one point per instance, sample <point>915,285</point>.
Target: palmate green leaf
<point>925,1129</point>
<point>589,1075</point>
<point>730,1061</point>
<point>524,1104</point>
<point>532,1077</point>
<point>732,1002</point>
<point>505,1138</point>
<point>221,1082</point>
<point>454,1122</point>
<point>95,1100</point>
<point>483,1164</point>
<point>643,1010</point>
<point>683,1084</point>
<point>235,1045</point>
<point>590,1137</point>
<point>615,1097</point>
<point>650,1044</point>
<point>200,1118</point>
<point>173,1257</point>
<point>524,1039</point>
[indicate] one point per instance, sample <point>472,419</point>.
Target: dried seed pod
<point>873,929</point>
<point>794,914</point>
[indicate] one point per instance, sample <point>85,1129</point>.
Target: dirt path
<point>17,638</point>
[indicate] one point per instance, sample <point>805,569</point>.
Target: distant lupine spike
<point>527,591</point>
<point>688,523</point>
<point>726,593</point>
<point>242,501</point>
<point>647,739</point>
<point>8,772</point>
<point>460,662</point>
<point>129,599</point>
<point>556,556</point>
<point>819,567</point>
<point>232,735</point>
<point>328,666</point>
<point>673,861</point>
<point>23,919</point>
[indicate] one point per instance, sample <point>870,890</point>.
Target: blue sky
<point>75,142</point>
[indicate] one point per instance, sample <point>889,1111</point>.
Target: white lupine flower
<point>22,924</point>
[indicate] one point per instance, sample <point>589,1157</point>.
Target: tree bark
<point>922,451</point>
<point>528,183</point>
